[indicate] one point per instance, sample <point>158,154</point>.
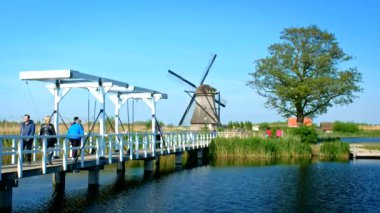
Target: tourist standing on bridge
<point>27,129</point>
<point>74,135</point>
<point>48,129</point>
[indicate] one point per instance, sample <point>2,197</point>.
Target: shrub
<point>306,134</point>
<point>345,127</point>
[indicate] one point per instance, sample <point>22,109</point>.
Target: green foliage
<point>254,147</point>
<point>248,125</point>
<point>345,127</point>
<point>263,126</point>
<point>307,134</point>
<point>302,77</point>
<point>335,150</point>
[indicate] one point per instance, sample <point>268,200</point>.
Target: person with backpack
<point>74,135</point>
<point>48,129</point>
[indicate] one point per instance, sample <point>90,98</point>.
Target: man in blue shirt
<point>74,135</point>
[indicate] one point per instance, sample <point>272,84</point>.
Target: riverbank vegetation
<point>257,147</point>
<point>301,145</point>
<point>335,150</point>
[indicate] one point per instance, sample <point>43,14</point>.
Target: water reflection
<point>229,186</point>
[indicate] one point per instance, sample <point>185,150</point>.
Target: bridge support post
<point>157,169</point>
<point>120,172</point>
<point>200,157</point>
<point>148,168</point>
<point>6,195</point>
<point>59,181</point>
<point>178,161</point>
<point>93,178</point>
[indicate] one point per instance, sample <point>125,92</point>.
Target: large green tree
<point>304,75</point>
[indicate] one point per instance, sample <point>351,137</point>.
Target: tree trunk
<point>300,119</point>
<point>300,115</point>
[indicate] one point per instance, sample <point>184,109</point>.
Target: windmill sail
<point>205,102</point>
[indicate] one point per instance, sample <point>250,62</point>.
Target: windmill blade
<point>221,103</point>
<point>187,109</point>
<point>182,79</point>
<point>208,69</point>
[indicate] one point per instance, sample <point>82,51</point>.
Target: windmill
<point>205,100</point>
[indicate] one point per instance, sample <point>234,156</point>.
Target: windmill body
<point>205,112</point>
<point>206,103</point>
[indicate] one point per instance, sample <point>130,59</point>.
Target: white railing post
<point>175,138</point>
<point>70,149</point>
<point>20,158</point>
<point>33,149</point>
<point>44,146</point>
<point>180,141</point>
<point>82,152</point>
<point>137,147</point>
<point>14,150</point>
<point>146,145</point>
<point>97,151</point>
<point>183,141</point>
<point>161,143</point>
<point>130,146</point>
<point>109,149</point>
<point>121,148</point>
<point>153,137</point>
<point>198,139</point>
<point>190,143</point>
<point>167,139</point>
<point>64,157</point>
<point>193,140</point>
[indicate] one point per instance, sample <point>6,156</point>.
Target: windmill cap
<point>205,88</point>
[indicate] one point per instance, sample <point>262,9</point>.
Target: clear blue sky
<point>138,41</point>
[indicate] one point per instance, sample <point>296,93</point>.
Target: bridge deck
<point>143,146</point>
<point>358,151</point>
<point>36,167</point>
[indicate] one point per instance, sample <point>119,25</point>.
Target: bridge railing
<point>131,145</point>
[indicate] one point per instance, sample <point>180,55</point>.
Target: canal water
<point>351,186</point>
<point>360,140</point>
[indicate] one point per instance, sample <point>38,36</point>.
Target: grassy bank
<point>282,148</point>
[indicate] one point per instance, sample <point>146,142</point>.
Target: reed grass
<point>335,150</point>
<point>255,147</point>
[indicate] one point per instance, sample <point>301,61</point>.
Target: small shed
<point>326,126</point>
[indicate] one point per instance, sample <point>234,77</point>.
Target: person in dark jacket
<point>74,135</point>
<point>48,129</point>
<point>27,128</point>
